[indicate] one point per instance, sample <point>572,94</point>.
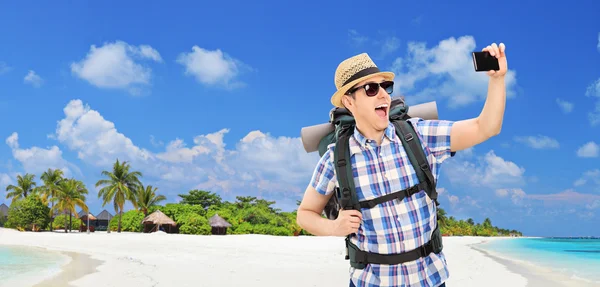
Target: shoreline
<point>535,275</point>
<point>38,275</point>
<point>159,259</point>
<point>80,265</point>
<point>74,266</point>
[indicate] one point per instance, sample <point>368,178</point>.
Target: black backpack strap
<point>416,155</point>
<point>346,193</point>
<point>343,168</point>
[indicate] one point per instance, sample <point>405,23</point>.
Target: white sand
<point>135,259</point>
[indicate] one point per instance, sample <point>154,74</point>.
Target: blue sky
<point>213,96</point>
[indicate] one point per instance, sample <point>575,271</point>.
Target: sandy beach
<point>157,259</point>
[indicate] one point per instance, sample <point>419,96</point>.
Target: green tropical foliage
<point>71,194</point>
<point>452,227</point>
<point>28,213</point>
<point>25,186</point>
<point>50,189</point>
<point>146,198</point>
<point>120,186</point>
<point>246,214</point>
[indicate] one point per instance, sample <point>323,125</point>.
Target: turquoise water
<point>31,264</point>
<point>575,258</point>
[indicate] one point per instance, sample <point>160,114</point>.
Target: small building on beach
<point>102,220</point>
<point>157,220</point>
<point>218,225</point>
<point>84,221</point>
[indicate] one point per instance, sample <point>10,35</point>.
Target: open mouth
<point>382,110</point>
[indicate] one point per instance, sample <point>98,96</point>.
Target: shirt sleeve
<point>436,136</point>
<point>323,178</point>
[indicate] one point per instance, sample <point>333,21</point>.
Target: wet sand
<point>535,275</point>
<point>79,266</point>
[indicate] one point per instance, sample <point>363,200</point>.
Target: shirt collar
<point>389,134</point>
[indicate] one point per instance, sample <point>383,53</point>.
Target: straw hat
<point>352,71</point>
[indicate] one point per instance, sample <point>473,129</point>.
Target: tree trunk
<point>51,217</point>
<point>70,221</point>
<point>120,217</point>
<point>66,222</point>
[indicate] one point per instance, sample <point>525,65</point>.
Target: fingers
<point>495,50</point>
<point>355,219</point>
<point>353,212</point>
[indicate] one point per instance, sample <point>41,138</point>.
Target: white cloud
<point>590,149</point>
<point>212,67</point>
<point>356,37</point>
<point>538,142</point>
<point>4,68</point>
<point>390,45</point>
<point>589,176</point>
<point>4,181</point>
<point>593,90</point>
<point>36,160</point>
<point>445,70</point>
<point>568,196</point>
<point>489,171</point>
<point>565,106</point>
<point>33,79</point>
<point>258,164</point>
<point>95,139</point>
<point>114,66</point>
<point>516,195</point>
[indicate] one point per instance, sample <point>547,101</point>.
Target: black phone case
<point>483,61</point>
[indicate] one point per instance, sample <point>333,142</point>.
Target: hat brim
<point>336,98</point>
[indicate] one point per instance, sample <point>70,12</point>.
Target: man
<point>381,166</point>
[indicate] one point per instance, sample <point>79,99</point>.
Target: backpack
<point>345,195</point>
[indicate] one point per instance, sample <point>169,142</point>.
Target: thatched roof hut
<point>218,225</point>
<point>104,215</point>
<point>155,220</point>
<point>84,217</point>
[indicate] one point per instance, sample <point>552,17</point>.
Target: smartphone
<point>484,61</point>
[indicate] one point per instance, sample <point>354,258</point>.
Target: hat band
<point>362,73</point>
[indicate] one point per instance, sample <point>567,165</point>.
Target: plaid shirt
<point>393,226</point>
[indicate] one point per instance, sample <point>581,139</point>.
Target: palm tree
<point>50,189</point>
<point>25,185</point>
<point>71,193</point>
<point>120,186</point>
<point>147,198</point>
<point>442,216</point>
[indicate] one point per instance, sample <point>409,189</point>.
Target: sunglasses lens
<point>371,89</point>
<point>388,86</point>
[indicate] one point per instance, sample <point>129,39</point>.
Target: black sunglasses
<point>371,89</point>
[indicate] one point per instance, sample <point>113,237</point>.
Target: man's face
<point>370,112</point>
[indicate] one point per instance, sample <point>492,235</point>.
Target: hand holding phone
<point>484,61</point>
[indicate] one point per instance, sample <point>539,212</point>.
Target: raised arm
<point>468,133</point>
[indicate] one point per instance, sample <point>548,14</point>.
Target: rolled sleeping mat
<point>312,135</point>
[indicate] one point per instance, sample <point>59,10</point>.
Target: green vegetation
<point>33,208</point>
<point>452,227</point>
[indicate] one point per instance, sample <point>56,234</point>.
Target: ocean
<point>577,258</point>
<point>25,264</point>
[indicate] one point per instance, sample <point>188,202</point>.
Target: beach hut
<point>3,211</point>
<point>88,224</point>
<point>154,222</point>
<point>218,225</point>
<point>102,220</point>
